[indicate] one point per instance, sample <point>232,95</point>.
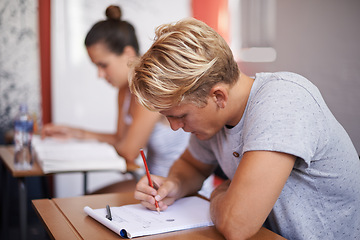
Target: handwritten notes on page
<point>55,155</point>
<point>135,220</point>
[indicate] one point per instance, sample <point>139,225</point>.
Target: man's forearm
<point>225,217</point>
<point>216,199</point>
<point>187,177</point>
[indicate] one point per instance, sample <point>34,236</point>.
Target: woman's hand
<point>62,132</point>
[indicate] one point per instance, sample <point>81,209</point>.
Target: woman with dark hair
<point>111,45</point>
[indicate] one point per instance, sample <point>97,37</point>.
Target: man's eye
<point>177,117</point>
<point>101,65</point>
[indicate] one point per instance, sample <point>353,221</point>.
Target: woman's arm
<point>65,132</point>
<point>240,208</point>
<point>137,134</point>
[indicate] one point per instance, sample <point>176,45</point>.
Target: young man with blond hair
<point>292,167</point>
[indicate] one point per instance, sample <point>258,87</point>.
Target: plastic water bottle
<point>23,130</point>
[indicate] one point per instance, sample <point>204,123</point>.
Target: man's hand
<point>164,191</point>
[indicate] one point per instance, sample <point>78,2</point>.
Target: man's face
<point>204,122</point>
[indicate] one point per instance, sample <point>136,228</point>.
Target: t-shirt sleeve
<point>283,117</point>
<point>201,150</point>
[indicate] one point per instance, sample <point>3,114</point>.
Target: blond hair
<point>186,60</point>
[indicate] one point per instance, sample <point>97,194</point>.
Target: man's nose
<point>175,123</point>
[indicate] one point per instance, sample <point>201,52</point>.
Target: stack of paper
<point>56,155</point>
<point>135,220</point>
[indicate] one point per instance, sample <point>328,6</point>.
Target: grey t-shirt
<point>286,113</point>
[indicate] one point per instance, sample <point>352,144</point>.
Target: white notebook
<point>56,155</point>
<point>135,220</point>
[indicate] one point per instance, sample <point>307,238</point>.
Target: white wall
<point>319,39</point>
<point>19,61</point>
<point>79,97</point>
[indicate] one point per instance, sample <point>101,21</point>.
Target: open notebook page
<point>135,220</point>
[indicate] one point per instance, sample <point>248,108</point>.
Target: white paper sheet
<point>56,155</point>
<point>135,220</point>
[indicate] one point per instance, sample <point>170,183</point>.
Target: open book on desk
<point>55,155</point>
<point>135,220</point>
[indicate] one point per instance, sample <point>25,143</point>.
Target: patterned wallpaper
<point>19,60</point>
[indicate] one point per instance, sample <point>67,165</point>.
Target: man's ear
<point>220,95</point>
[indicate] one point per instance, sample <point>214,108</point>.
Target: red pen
<point>149,178</point>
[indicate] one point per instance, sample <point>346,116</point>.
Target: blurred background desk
<point>7,171</point>
<point>65,218</point>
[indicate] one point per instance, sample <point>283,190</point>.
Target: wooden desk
<point>65,218</point>
<point>7,158</point>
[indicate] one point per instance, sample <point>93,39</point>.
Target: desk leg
<point>23,208</point>
<point>85,183</point>
<point>5,202</point>
<point>46,187</point>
